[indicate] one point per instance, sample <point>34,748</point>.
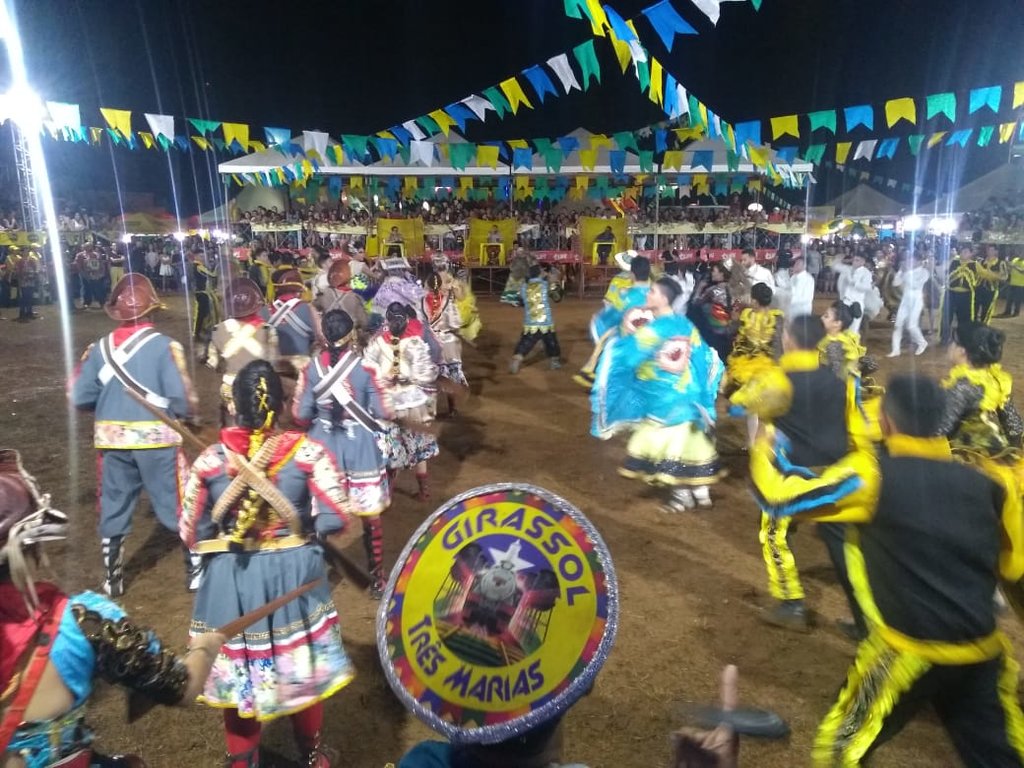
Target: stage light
<point>126,238</point>
<point>755,207</point>
<point>912,223</point>
<point>376,200</point>
<point>805,238</point>
<point>426,206</point>
<point>24,107</point>
<point>942,226</point>
<point>180,236</point>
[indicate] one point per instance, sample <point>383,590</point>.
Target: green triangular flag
<point>553,159</point>
<point>462,155</point>
<point>695,116</point>
<point>542,146</point>
<point>985,135</point>
<point>626,140</point>
<point>915,143</point>
<point>824,119</point>
<point>732,160</point>
<point>427,124</point>
<point>643,74</point>
<point>757,4</point>
<point>356,145</point>
<point>814,153</point>
<point>587,59</point>
<point>573,7</point>
<point>204,126</point>
<point>941,104</point>
<point>405,151</point>
<point>646,160</point>
<point>498,101</point>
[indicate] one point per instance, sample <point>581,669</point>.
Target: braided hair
<point>337,327</point>
<point>258,399</point>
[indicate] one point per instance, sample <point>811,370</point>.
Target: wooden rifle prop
<point>139,704</point>
<point>332,553</point>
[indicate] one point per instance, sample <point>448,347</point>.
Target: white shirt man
<point>856,289</point>
<point>755,272</point>
<point>801,290</point>
<point>912,278</point>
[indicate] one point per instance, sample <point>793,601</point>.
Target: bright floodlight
<point>24,106</point>
<point>912,223</point>
<point>126,238</point>
<point>180,236</point>
<point>755,207</point>
<point>943,226</point>
<point>805,238</point>
<point>426,206</point>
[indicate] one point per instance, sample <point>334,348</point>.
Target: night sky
<point>359,66</point>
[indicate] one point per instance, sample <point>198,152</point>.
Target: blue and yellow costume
<point>661,383</point>
<point>606,324</point>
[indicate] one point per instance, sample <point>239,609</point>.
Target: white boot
<point>702,494</point>
<point>679,500</point>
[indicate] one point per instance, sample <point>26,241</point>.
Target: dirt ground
<point>691,585</point>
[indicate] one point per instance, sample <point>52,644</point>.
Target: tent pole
<point>657,211</point>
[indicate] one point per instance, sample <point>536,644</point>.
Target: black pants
<point>203,309</point>
<point>604,250</point>
<point>977,704</point>
<point>983,300</point>
<point>528,340</point>
<point>957,307</point>
<point>5,293</point>
<point>93,290</point>
<point>834,536</point>
<point>26,299</point>
<point>1014,298</point>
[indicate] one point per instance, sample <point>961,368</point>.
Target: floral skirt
<point>678,455</point>
<point>404,448</point>
<point>286,662</point>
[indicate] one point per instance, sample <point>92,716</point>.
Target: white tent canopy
<point>1004,182</point>
<point>865,202</point>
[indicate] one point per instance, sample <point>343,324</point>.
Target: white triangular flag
<point>161,125</point>
<point>414,129</point>
<point>710,8</point>
<point>316,140</point>
<point>683,100</point>
<point>421,151</point>
<point>478,105</point>
<point>561,67</point>
<point>865,149</point>
<point>64,115</point>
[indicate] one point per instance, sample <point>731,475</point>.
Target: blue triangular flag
<point>540,81</point>
<point>667,22</point>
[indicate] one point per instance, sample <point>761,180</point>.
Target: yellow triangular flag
<point>843,151</point>
<point>900,109</point>
<point>236,132</point>
<point>655,92</point>
<point>758,156</point>
<point>410,184</point>
<point>307,168</point>
<point>1006,132</point>
<point>588,158</point>
<point>522,182</point>
<point>95,134</point>
<point>755,184</point>
<point>622,52</point>
<point>443,120</point>
<point>598,16</point>
<point>465,182</point>
<point>118,119</point>
<point>202,143</point>
<point>582,182</point>
<point>385,135</point>
<point>935,138</point>
<point>787,125</point>
<point>686,134</point>
<point>514,92</point>
<point>147,139</point>
<point>355,182</point>
<point>673,159</point>
<point>257,146</point>
<point>518,143</point>
<point>1018,94</point>
<point>487,157</point>
<point>599,140</point>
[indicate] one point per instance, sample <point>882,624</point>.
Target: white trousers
<point>908,318</point>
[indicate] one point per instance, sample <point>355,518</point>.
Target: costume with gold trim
<point>294,658</point>
<point>757,344</point>
<point>980,417</point>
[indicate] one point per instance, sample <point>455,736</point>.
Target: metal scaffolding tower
<point>30,213</point>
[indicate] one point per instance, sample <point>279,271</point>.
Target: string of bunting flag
<point>822,128</point>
